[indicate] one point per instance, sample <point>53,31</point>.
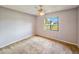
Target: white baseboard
<point>61,41</point>
<point>25,37</point>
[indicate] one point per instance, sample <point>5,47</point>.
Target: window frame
<point>45,24</point>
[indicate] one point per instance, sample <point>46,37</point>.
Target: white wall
<point>67,26</point>
<point>78,27</point>
<point>14,26</point>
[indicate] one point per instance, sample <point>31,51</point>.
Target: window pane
<point>46,21</point>
<point>52,23</point>
<point>54,27</point>
<point>47,27</point>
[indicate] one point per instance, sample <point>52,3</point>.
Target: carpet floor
<point>36,45</point>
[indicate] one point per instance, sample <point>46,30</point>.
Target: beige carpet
<point>36,45</point>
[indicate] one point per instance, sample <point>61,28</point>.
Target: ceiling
<point>32,9</point>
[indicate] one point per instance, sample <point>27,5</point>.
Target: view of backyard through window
<point>52,23</point>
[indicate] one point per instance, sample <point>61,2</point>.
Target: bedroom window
<point>52,23</point>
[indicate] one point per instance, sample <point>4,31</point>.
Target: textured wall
<point>78,27</point>
<point>67,26</point>
<point>14,26</point>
